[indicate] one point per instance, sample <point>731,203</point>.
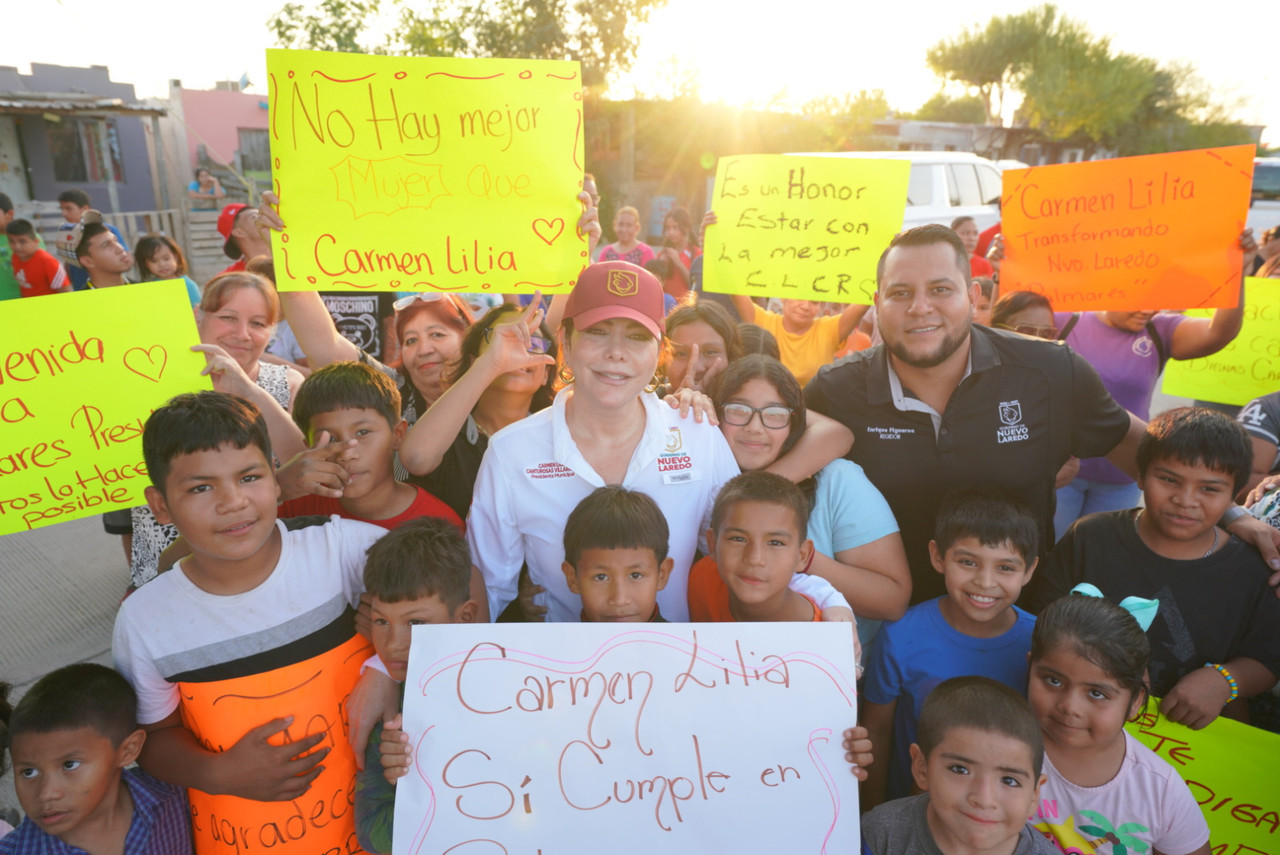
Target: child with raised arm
<point>418,574</point>
<point>244,654</point>
<point>73,737</point>
<point>985,546</point>
<point>978,758</point>
<point>1217,635</point>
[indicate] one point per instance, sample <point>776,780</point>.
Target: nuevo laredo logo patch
<point>1012,429</point>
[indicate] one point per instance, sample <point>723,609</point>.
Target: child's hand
<point>588,223</point>
<point>257,770</point>
<point>317,470</point>
<point>1197,698</point>
<point>685,399</point>
<point>395,751</point>
<point>375,698</point>
<point>857,750</point>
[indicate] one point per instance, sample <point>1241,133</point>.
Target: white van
<point>943,185</point>
<point>1264,204</point>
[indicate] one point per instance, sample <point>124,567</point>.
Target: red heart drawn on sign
<point>552,228</point>
<point>145,362</point>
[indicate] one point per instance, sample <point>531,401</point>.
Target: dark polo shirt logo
<point>1012,429</point>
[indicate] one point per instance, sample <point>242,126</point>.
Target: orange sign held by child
<point>1154,232</point>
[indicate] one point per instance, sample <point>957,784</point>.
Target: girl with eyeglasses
<point>857,545</point>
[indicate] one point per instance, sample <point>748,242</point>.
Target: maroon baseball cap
<point>226,222</point>
<point>617,289</point>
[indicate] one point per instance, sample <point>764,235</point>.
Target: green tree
<point>967,109</point>
<point>846,122</point>
<point>600,35</point>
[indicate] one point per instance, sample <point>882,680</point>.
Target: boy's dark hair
<point>979,703</point>
<point>927,236</point>
<point>6,204</point>
<point>616,518</point>
<point>1101,632</point>
<point>80,695</point>
<point>20,228</point>
<point>986,285</point>
<point>75,195</point>
<point>425,557</point>
<point>761,487</point>
<point>1197,436</point>
<point>88,232</point>
<point>757,339</point>
<point>990,516</point>
<point>345,386</point>
<point>199,422</point>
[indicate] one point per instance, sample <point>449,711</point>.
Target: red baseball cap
<point>226,222</point>
<point>617,289</point>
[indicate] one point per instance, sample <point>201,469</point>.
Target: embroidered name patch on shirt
<point>549,470</point>
<point>889,432</point>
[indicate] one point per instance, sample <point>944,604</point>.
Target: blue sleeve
<point>859,512</point>
<point>193,291</point>
<point>375,801</point>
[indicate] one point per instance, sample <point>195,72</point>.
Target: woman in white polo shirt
<point>605,427</point>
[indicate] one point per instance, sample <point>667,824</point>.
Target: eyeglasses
<point>1034,330</point>
<point>740,415</point>
<point>537,344</point>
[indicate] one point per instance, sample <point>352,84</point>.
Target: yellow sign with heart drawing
<point>426,173</point>
<point>79,375</point>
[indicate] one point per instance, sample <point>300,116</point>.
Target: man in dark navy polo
<point>944,403</point>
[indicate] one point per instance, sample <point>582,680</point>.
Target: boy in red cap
<point>241,240</point>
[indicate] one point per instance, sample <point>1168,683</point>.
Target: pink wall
<point>213,117</point>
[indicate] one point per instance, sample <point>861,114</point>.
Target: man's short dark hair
<point>202,421</point>
<point>425,557</point>
<point>979,703</point>
<point>616,518</point>
<point>76,196</point>
<point>990,516</point>
<point>1197,436</point>
<point>81,695</point>
<point>927,236</point>
<point>6,204</point>
<point>87,234</point>
<point>345,386</point>
<point>20,228</point>
<point>761,487</point>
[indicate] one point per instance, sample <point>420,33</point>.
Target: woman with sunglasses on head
<point>857,547</point>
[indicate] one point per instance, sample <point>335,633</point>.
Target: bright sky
<point>740,51</point>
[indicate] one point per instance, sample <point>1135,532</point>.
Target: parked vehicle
<point>1264,204</point>
<point>943,185</point>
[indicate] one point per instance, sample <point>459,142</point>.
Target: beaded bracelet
<point>1231,681</point>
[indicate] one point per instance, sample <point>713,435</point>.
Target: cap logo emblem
<point>622,283</point>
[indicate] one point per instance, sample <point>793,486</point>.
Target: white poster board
<point>632,738</point>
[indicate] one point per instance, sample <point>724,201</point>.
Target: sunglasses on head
<point>1033,330</point>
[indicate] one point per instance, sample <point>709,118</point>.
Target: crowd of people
<point>973,482</point>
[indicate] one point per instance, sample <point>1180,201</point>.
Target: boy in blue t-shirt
<point>985,546</point>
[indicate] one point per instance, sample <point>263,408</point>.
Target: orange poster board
<point>1159,231</point>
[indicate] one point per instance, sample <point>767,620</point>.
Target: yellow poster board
<point>806,228</point>
<point>425,173</point>
<point>1247,368</point>
<point>1159,231</point>
<point>79,375</point>
<point>1231,771</point>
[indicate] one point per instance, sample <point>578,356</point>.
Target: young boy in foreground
<point>615,551</point>
<point>758,545</point>
<point>37,272</point>
<point>356,409</point>
<point>1216,636</point>
<point>985,546</point>
<point>244,654</point>
<point>418,574</point>
<point>977,757</point>
<point>73,735</point>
